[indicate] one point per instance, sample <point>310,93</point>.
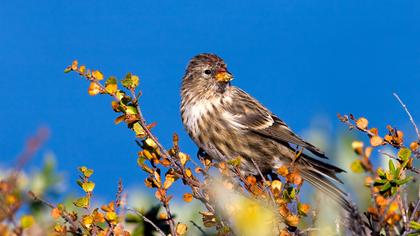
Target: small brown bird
<point>228,123</point>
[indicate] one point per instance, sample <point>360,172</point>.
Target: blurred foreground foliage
<point>230,203</point>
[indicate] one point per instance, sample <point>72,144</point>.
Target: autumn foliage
<point>232,204</point>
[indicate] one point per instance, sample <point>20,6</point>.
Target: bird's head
<point>207,71</point>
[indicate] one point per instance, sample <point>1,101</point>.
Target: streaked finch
<point>228,123</point>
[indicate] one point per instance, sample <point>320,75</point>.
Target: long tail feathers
<point>323,177</point>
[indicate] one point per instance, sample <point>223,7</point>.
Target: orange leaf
<point>55,213</point>
<point>283,171</point>
<point>376,141</point>
<point>94,89</point>
<point>188,197</point>
<point>74,65</point>
<point>362,123</point>
<point>414,146</point>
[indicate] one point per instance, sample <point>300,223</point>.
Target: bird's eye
<point>207,72</point>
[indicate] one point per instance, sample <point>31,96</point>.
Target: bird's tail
<point>323,177</point>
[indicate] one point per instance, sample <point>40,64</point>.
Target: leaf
<point>356,166</point>
<point>292,220</point>
<point>111,85</point>
<point>183,158</point>
<point>276,185</point>
<point>391,167</point>
<point>139,130</point>
<point>94,89</point>
<point>181,229</point>
<point>415,225</point>
<point>97,75</point>
<point>130,81</point>
<point>87,221</point>
<point>362,123</point>
<point>85,171</point>
<point>414,146</point>
<point>27,221</point>
<point>82,202</point>
<point>404,181</point>
<point>283,171</point>
<point>385,187</point>
<point>376,141</point>
<point>68,69</point>
<point>188,197</point>
<point>303,209</point>
<point>130,110</point>
<point>151,143</point>
<point>404,154</point>
<point>119,119</point>
<point>55,213</point>
<point>357,147</point>
<point>74,65</point>
<point>88,186</point>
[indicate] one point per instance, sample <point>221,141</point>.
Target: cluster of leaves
<point>164,167</point>
<point>18,213</point>
<point>390,212</point>
<point>84,219</point>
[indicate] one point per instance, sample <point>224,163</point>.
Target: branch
<point>147,220</point>
<point>409,115</point>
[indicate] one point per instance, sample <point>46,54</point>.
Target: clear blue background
<point>301,58</point>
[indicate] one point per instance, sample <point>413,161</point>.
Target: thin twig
<point>147,220</point>
<point>409,115</point>
<point>262,176</point>
<point>411,168</point>
<point>198,227</point>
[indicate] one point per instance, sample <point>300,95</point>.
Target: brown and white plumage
<point>227,123</point>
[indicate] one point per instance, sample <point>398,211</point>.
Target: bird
<point>226,123</point>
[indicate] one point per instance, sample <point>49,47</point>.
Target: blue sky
<point>302,59</point>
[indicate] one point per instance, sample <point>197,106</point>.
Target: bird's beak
<point>223,76</point>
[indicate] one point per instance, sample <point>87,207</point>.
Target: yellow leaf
<point>82,202</point>
<point>111,217</point>
<point>188,172</point>
<point>139,130</point>
<point>97,75</point>
<point>88,186</point>
<point>188,197</point>
<point>82,69</point>
<point>168,182</point>
<point>183,158</point>
<point>27,221</point>
<point>276,185</point>
<point>87,221</point>
<point>151,143</point>
<point>181,229</point>
<point>94,89</point>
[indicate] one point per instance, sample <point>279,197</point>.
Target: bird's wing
<point>248,113</point>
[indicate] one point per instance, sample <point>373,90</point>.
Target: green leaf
<point>404,153</point>
<point>356,166</point>
<point>82,202</point>
<point>67,70</point>
<point>130,110</point>
<point>381,172</point>
<point>415,225</point>
<point>404,181</point>
<point>392,167</point>
<point>385,187</point>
